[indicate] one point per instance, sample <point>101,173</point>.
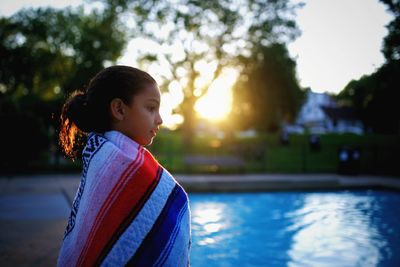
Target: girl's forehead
<point>150,91</point>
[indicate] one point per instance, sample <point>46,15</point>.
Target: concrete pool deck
<point>34,209</point>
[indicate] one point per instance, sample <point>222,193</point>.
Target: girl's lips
<point>154,132</point>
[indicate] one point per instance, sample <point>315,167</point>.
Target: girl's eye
<point>151,109</point>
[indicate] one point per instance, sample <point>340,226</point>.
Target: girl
<point>128,209</point>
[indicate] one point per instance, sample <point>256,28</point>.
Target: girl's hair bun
<point>75,122</point>
<point>77,110</point>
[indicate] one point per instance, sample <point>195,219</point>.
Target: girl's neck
<point>122,141</point>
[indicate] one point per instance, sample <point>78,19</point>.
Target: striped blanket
<point>128,210</point>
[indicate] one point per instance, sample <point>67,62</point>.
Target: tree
<point>391,46</point>
<point>48,51</point>
<point>376,98</point>
<point>198,40</point>
<point>267,92</point>
<point>45,54</point>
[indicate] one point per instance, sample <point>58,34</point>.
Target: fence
<point>346,154</point>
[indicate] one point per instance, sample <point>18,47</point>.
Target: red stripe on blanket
<point>119,204</point>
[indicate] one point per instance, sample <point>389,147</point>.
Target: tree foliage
<point>376,97</point>
<point>45,51</point>
<point>391,46</point>
<point>267,92</point>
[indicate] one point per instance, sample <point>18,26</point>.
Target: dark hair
<point>89,110</point>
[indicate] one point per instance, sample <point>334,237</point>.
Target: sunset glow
<point>217,103</point>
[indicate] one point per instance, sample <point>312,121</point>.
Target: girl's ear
<point>117,109</point>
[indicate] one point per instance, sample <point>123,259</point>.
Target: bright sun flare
<point>216,104</point>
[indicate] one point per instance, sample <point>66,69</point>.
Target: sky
<point>341,40</point>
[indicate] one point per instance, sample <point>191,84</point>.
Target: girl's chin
<point>148,142</point>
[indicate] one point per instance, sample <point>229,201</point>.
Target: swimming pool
<point>332,228</point>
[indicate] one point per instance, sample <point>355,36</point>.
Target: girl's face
<point>143,120</point>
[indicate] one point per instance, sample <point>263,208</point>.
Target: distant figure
<point>349,160</point>
<point>128,209</point>
<point>284,138</point>
<point>344,155</point>
<point>315,144</point>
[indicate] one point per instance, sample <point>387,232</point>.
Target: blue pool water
<point>340,228</point>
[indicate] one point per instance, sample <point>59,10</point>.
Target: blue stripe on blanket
<point>172,241</point>
<point>157,243</point>
<point>179,249</point>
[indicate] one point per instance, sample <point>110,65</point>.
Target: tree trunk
<point>189,122</point>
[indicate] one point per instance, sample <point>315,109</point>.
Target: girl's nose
<point>159,120</point>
